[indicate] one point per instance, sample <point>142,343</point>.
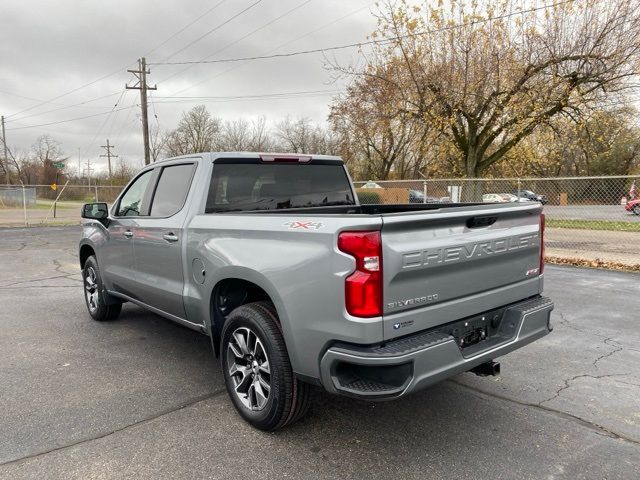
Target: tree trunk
<point>472,190</point>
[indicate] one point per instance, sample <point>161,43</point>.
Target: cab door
<point>159,241</point>
<point>116,255</point>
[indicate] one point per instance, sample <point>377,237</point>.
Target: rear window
<point>260,186</point>
<point>172,190</point>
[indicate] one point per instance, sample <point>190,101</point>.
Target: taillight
<point>363,288</point>
<point>541,243</point>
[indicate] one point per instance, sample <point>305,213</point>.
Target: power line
<point>126,122</point>
<point>155,113</point>
<point>66,121</point>
<point>69,92</point>
<point>64,107</point>
<point>209,32</point>
<point>93,82</point>
<point>271,22</point>
<point>113,109</point>
<point>199,17</point>
<point>195,97</point>
<point>284,44</point>
<point>260,96</point>
<point>115,117</point>
<point>21,96</point>
<point>381,41</point>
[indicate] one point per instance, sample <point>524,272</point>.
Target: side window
<point>131,201</point>
<point>172,190</point>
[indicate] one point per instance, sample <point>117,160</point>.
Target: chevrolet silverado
<point>298,284</point>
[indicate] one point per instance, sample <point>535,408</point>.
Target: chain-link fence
<point>32,205</point>
<point>587,218</point>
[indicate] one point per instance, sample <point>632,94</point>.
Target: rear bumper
<point>402,366</point>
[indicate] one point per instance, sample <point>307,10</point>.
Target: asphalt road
<point>143,398</point>
<point>612,213</point>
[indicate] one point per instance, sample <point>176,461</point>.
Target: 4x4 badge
<point>300,225</point>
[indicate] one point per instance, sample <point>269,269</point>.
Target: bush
<point>368,196</point>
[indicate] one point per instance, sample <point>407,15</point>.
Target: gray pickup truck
<point>297,284</point>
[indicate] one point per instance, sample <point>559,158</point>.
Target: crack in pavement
<point>38,286</point>
<point>597,428</point>
<point>617,348</point>
<point>23,282</point>
<point>59,267</point>
<point>99,436</point>
<point>568,381</point>
<point>567,323</point>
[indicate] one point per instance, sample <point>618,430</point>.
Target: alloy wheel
<point>91,289</point>
<point>249,368</point>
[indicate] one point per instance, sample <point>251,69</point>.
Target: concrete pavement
<point>144,398</point>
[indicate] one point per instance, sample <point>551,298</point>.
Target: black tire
<point>101,306</point>
<point>636,209</point>
<point>287,398</point>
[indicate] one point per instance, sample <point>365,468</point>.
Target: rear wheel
<point>636,209</point>
<point>102,306</point>
<point>257,371</point>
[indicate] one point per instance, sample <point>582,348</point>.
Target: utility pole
<point>141,84</point>
<point>79,166</point>
<point>5,159</point>
<point>109,155</point>
<point>89,169</point>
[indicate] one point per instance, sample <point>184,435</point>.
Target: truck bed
<point>370,209</point>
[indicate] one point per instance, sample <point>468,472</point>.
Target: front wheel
<point>257,371</point>
<point>636,209</point>
<point>101,305</point>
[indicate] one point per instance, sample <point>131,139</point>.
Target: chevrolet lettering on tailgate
<point>436,256</point>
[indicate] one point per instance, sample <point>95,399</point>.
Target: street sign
<point>54,186</point>
<point>58,165</point>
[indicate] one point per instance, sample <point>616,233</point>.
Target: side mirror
<point>95,211</point>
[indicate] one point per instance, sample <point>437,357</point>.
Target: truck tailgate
<point>444,266</point>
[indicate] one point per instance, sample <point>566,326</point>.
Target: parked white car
<point>492,198</point>
<point>510,197</point>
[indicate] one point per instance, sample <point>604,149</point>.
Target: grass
<point>62,204</point>
<point>611,225</point>
<point>43,204</point>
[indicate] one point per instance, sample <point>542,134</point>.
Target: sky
<point>67,59</point>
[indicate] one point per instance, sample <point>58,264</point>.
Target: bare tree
<point>196,133</point>
<point>487,74</point>
<point>261,140</point>
<point>234,136</point>
<point>303,136</point>
<point>158,141</point>
<point>47,151</point>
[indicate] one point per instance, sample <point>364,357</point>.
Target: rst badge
<point>302,225</point>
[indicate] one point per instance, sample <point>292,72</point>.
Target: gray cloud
<point>49,47</point>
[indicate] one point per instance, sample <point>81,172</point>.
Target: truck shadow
<point>446,430</point>
<point>186,350</point>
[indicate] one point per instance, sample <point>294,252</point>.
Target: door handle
<point>128,234</point>
<point>170,237</point>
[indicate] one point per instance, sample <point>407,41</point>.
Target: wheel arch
<point>86,250</point>
<point>233,291</point>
